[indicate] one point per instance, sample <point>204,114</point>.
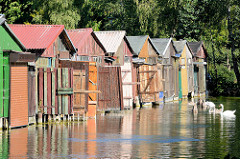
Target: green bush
<point>224,84</point>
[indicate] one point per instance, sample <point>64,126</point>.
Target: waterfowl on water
<point>226,113</point>
<point>210,105</point>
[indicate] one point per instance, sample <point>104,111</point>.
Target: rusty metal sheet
<point>86,42</point>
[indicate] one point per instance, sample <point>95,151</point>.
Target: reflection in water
<point>167,131</point>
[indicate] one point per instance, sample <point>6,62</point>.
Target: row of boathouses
<point>50,73</point>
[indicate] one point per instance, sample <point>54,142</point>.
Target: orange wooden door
<point>19,95</point>
<point>92,86</point>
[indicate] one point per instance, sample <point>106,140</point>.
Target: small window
<point>49,62</point>
<point>82,58</point>
<point>95,58</point>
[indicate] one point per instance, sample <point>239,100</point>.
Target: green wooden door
<point>1,83</point>
<point>180,83</point>
<point>6,84</point>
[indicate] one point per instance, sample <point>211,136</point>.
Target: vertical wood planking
<point>49,91</point>
<point>69,86</point>
<point>45,91</point>
<point>59,86</point>
<point>65,85</point>
<point>55,93</point>
<point>53,90</point>
<point>40,87</point>
<point>72,96</point>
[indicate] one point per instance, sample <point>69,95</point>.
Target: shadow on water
<point>169,130</point>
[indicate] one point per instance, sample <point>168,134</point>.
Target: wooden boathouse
<point>200,67</point>
<point>13,78</point>
<point>186,82</point>
<point>51,44</point>
<point>148,70</point>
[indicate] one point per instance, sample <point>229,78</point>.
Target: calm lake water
<point>167,131</point>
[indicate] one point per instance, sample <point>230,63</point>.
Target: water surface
<point>166,131</point>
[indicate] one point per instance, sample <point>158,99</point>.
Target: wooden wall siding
<point>169,81</point>
<point>110,86</point>
<point>190,78</point>
<point>134,78</point>
<point>92,84</point>
<point>202,79</point>
<point>184,72</point>
<point>176,76</point>
<point>151,51</point>
<point>190,71</point>
<point>127,82</point>
<point>79,85</point>
<point>80,100</point>
<point>120,55</point>
<point>50,81</point>
<point>19,96</point>
<point>144,51</point>
<point>201,53</point>
<point>149,77</point>
<point>31,93</point>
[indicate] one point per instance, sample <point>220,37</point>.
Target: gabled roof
<point>162,44</point>
<point>196,46</point>
<point>80,37</point>
<point>111,40</point>
<point>179,46</point>
<point>5,25</point>
<point>40,36</point>
<point>137,43</point>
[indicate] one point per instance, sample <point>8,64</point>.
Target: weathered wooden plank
<point>65,84</point>
<point>45,94</point>
<point>53,90</point>
<point>69,85</point>
<point>59,85</point>
<point>40,87</point>
<point>49,91</point>
<point>83,91</point>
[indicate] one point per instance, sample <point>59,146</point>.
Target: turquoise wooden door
<point>180,83</point>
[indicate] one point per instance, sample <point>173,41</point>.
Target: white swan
<point>227,113</point>
<point>211,106</point>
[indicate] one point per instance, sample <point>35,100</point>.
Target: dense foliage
<point>217,23</point>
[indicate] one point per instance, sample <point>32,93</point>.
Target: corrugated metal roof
<point>137,42</point>
<point>179,45</point>
<point>111,40</point>
<point>37,36</point>
<point>78,36</point>
<point>82,37</point>
<point>161,44</point>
